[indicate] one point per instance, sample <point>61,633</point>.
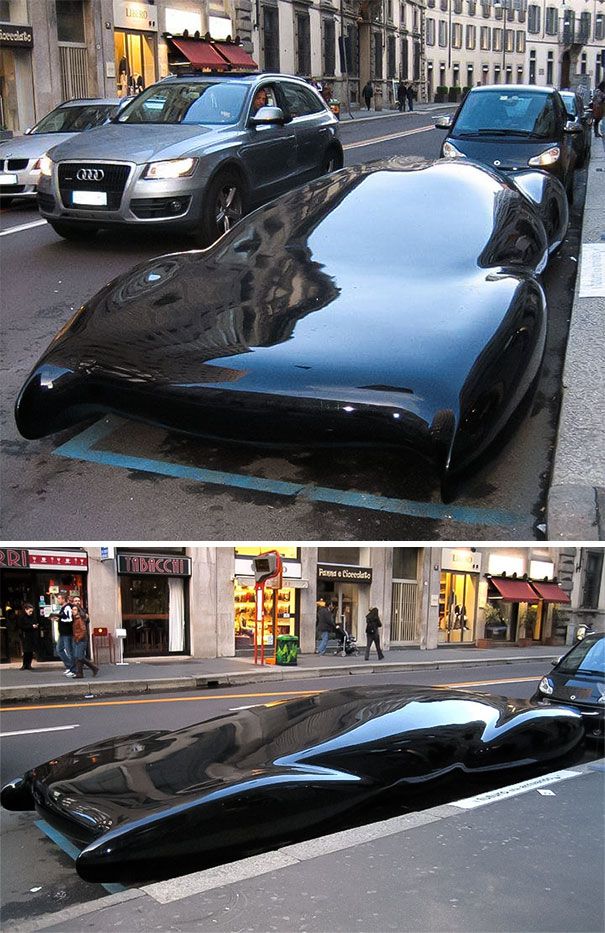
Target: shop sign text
<point>13,559</point>
<point>159,566</point>
<point>343,574</point>
<point>19,37</point>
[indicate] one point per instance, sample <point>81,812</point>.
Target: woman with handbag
<point>373,624</point>
<point>598,107</point>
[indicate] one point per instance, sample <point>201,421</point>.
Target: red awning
<point>515,591</point>
<point>236,55</point>
<point>201,54</point>
<point>551,592</point>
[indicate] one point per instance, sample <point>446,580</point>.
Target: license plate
<point>96,198</point>
<point>8,180</point>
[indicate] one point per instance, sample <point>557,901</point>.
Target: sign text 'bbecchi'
<point>163,566</point>
<point>344,574</point>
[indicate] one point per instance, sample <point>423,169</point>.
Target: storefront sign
<point>342,574</point>
<point>290,568</point>
<point>462,560</point>
<point>108,553</point>
<point>23,559</point>
<point>16,37</point>
<point>179,20</point>
<point>499,564</point>
<point>131,14</point>
<point>540,569</point>
<point>156,565</point>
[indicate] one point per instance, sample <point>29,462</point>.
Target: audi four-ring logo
<point>90,174</point>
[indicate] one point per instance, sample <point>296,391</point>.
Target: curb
<point>71,691</point>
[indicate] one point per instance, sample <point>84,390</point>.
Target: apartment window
<point>417,59</point>
<point>303,44</point>
<point>510,40</point>
<point>583,63</point>
<point>471,37</point>
<point>402,13</point>
<point>520,41</point>
<point>470,80</point>
<point>444,6</point>
<point>416,19</point>
<point>429,3</point>
<point>485,38</point>
<point>271,38</point>
<point>329,46</point>
<point>599,26</point>
<point>378,55</point>
<point>472,7</point>
<point>405,62</point>
<point>390,10</point>
<point>70,21</point>
<point>498,12</point>
<point>532,66</point>
<point>353,49</point>
<point>442,33</point>
<point>457,36</point>
<point>584,27</point>
<point>391,67</point>
<point>521,18</point>
<point>486,9</point>
<point>569,18</point>
<point>550,67</point>
<point>551,21</point>
<point>458,7</point>
<point>533,18</point>
<point>430,32</point>
<point>592,579</point>
<point>497,40</point>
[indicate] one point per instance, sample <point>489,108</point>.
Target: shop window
<point>153,614</point>
<point>457,607</point>
<point>134,55</point>
<point>284,600</point>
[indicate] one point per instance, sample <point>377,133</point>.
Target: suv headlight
<point>450,151</point>
<point>45,165</point>
<point>174,168</point>
<point>548,157</point>
<point>546,686</point>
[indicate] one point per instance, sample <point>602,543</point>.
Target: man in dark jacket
<point>325,625</point>
<point>401,96</point>
<point>65,642</point>
<point>28,628</point>
<point>367,94</point>
<point>410,96</point>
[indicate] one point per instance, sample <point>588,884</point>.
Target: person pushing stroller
<point>347,643</point>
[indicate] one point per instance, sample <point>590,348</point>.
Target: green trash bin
<point>287,650</point>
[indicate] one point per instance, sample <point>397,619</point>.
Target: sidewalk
<point>47,682</point>
<point>514,859</point>
<point>576,499</point>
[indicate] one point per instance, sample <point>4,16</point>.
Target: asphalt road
<point>132,481</point>
<point>37,877</point>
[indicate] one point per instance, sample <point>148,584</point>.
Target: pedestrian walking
<point>598,107</point>
<point>325,625</point>
<point>367,94</point>
<point>28,632</point>
<point>373,624</point>
<point>401,96</point>
<point>65,640</point>
<point>410,96</point>
<point>80,642</point>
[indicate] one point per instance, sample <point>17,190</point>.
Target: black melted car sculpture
<point>395,302</point>
<point>159,802</point>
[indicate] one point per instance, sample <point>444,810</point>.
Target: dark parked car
<point>20,156</point>
<point>157,803</point>
<point>582,115</point>
<point>310,315</point>
<point>191,154</point>
<point>513,127</point>
<point>578,680</point>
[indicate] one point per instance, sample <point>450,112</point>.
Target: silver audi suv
<point>191,154</point>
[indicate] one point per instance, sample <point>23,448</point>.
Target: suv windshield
<point>212,103</point>
<point>530,113</point>
<point>74,119</point>
<point>587,656</point>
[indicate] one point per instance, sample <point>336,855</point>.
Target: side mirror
<point>444,123</point>
<point>573,126</point>
<point>268,116</point>
<point>555,662</point>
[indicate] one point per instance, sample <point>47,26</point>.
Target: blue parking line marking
<point>81,447</point>
<point>72,850</point>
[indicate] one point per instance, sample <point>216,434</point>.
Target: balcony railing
<point>578,34</point>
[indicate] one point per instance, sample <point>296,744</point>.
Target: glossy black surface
<point>154,802</point>
<point>578,680</point>
<point>395,302</point>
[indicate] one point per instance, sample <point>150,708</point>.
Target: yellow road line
<point>384,139</point>
<point>241,696</point>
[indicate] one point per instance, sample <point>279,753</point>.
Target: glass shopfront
<point>135,46</point>
<point>341,580</point>
<point>154,602</point>
<point>283,604</point>
<point>458,591</point>
<point>37,577</point>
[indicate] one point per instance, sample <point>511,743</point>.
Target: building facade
<point>200,602</point>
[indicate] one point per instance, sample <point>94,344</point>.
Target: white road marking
<point>34,223</point>
<point>512,790</point>
<point>384,139</point>
<point>3,735</point>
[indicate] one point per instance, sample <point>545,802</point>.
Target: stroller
<point>348,643</point>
